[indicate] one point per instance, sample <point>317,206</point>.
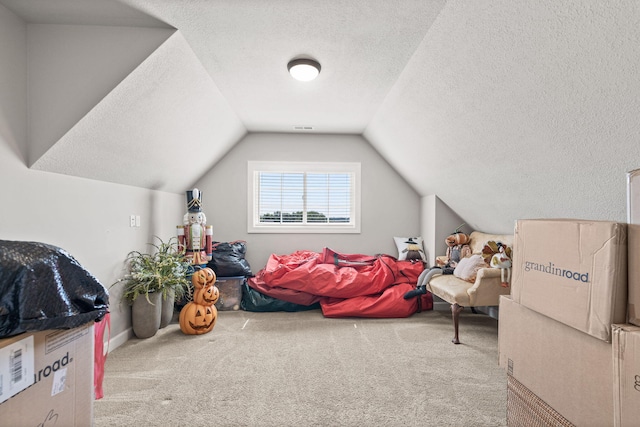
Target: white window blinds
<point>304,197</point>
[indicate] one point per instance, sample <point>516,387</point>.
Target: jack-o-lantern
<point>203,277</point>
<point>207,295</point>
<point>211,276</point>
<point>196,319</point>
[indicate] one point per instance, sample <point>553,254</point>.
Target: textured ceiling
<point>504,109</point>
<point>362,45</point>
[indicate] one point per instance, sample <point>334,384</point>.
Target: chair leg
<point>455,313</point>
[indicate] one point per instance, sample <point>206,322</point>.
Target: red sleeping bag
<point>345,284</point>
<point>284,294</point>
<point>390,303</point>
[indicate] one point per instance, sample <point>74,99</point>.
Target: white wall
<point>437,222</point>
<point>390,207</point>
<point>519,109</point>
<point>89,219</point>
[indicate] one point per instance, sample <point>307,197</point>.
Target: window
<point>297,197</point>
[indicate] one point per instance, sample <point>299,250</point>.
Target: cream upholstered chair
<point>486,289</point>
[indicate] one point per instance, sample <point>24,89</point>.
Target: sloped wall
<point>519,109</point>
<point>160,125</point>
<point>89,219</point>
<point>71,68</point>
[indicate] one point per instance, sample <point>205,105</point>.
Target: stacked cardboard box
<point>626,375</point>
<point>569,370</point>
<point>50,378</point>
<point>572,271</point>
<point>626,337</point>
<point>633,218</point>
<point>525,409</point>
<point>563,333</point>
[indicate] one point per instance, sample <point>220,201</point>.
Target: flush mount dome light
<point>303,69</point>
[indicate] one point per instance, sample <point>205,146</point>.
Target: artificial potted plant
<point>153,283</point>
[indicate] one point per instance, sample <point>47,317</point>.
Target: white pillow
<point>410,248</point>
<point>467,268</point>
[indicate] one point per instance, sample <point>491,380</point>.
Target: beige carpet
<point>302,369</point>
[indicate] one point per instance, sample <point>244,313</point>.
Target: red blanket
<point>344,284</point>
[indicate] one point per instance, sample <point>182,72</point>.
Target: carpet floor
<point>302,369</point>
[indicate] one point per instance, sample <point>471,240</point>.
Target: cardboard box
<point>16,365</point>
<point>525,409</point>
<point>626,380</point>
<point>569,370</point>
<point>633,218</point>
<point>62,389</point>
<point>574,271</point>
<point>230,292</point>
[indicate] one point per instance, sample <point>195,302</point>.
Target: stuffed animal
<point>457,249</point>
<point>413,250</point>
<point>498,255</point>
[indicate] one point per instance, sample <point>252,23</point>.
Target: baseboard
<point>489,310</point>
<point>441,305</point>
<point>120,339</point>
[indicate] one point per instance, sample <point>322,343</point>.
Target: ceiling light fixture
<point>303,69</point>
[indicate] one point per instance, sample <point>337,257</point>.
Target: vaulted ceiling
<point>504,109</point>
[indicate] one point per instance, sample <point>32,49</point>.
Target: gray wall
<point>390,207</point>
<point>438,221</point>
<point>89,219</point>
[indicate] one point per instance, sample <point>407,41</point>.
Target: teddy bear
<point>457,248</point>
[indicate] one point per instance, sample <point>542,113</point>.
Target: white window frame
<point>253,216</point>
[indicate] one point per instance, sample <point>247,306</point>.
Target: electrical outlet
<point>132,220</point>
<point>137,220</point>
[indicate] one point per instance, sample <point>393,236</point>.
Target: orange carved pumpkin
<point>203,277</point>
<point>196,319</point>
<point>211,276</point>
<point>207,295</point>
